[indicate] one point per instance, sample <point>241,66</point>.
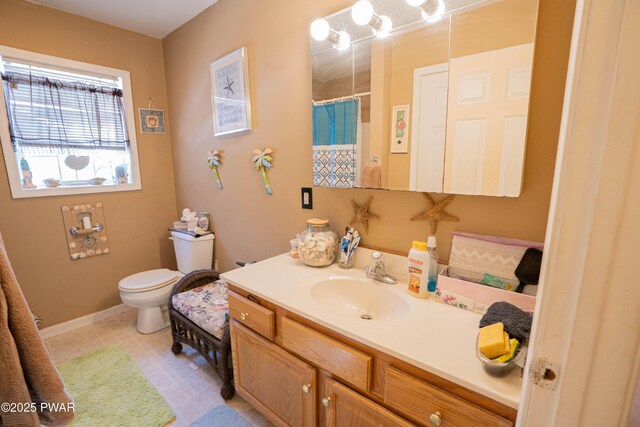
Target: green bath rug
<point>110,390</point>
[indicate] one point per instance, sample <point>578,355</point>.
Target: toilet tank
<point>193,253</point>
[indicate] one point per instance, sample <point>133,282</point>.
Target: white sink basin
<point>359,298</point>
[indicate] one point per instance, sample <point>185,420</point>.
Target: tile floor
<point>187,382</point>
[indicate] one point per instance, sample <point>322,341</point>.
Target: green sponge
<point>514,345</point>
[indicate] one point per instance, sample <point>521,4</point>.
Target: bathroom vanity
<point>326,346</point>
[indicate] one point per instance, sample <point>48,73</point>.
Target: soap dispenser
<point>433,264</point>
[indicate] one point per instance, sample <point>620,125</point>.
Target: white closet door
<point>487,122</point>
<point>430,88</point>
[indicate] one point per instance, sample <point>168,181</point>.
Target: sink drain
<point>366,317</point>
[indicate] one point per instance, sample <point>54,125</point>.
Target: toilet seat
<point>149,280</point>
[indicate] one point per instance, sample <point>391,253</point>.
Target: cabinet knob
<point>326,401</point>
<point>436,418</point>
<point>306,388</point>
<point>244,316</point>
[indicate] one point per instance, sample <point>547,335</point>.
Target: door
<point>345,407</point>
<point>280,385</point>
<point>428,130</point>
<point>487,112</point>
<point>589,305</point>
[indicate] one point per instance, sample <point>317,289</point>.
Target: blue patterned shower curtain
<point>335,133</point>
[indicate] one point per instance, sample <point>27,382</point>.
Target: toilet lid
<point>149,280</point>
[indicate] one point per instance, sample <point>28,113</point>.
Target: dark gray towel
<point>516,322</point>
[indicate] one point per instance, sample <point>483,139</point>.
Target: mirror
<point>438,105</point>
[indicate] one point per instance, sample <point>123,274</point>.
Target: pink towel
<point>371,176</point>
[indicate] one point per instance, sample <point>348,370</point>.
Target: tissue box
<point>478,254</point>
<point>179,225</point>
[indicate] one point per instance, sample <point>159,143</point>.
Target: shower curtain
<point>335,137</point>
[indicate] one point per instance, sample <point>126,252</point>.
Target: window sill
<point>43,191</point>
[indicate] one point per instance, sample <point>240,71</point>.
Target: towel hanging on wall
<point>27,373</point>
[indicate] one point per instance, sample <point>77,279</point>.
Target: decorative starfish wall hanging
<point>435,212</point>
<point>214,163</point>
<point>361,214</point>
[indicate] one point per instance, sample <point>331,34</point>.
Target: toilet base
<point>152,319</point>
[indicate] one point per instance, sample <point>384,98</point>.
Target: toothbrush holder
<point>346,261</point>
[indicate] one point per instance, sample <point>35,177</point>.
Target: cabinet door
<point>280,385</point>
<point>345,407</point>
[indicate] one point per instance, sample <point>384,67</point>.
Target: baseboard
<point>70,325</point>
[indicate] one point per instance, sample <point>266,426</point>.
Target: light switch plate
<point>307,198</point>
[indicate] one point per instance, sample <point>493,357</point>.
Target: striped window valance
<point>54,115</point>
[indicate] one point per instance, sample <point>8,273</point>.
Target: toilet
<point>149,291</point>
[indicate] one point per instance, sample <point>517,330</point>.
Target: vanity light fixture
<point>431,9</point>
<point>362,13</point>
<point>321,31</point>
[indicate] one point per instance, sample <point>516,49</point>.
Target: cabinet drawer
<point>345,407</point>
<point>352,365</point>
<point>418,400</point>
<point>253,315</point>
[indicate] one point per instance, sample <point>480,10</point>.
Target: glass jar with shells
<point>318,245</point>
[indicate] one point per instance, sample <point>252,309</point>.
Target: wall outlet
<point>307,198</point>
<point>215,265</point>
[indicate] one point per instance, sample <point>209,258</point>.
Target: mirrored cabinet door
<point>439,103</point>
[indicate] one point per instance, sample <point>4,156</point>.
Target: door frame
<point>589,298</point>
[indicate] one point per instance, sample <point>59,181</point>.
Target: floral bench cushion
<point>206,306</point>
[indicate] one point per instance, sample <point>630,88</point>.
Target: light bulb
<point>415,2</point>
<point>320,29</point>
<point>344,41</point>
<point>385,27</point>
<point>433,10</point>
<point>362,12</point>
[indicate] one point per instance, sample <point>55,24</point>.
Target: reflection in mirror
<point>440,105</point>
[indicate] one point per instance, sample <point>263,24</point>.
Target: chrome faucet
<point>377,270</point>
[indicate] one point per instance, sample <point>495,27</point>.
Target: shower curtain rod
<point>342,98</point>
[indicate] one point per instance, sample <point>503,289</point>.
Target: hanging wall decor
<point>214,163</point>
<point>435,212</point>
<point>262,160</point>
<point>361,214</point>
<point>230,93</point>
<point>400,129</point>
<point>151,119</point>
<point>85,229</point>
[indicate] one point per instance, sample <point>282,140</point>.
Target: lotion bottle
<point>418,269</point>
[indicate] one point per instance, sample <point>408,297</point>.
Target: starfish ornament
<point>435,212</point>
<point>361,214</point>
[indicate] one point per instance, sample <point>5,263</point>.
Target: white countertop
<point>435,337</point>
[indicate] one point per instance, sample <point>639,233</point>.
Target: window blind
<point>59,111</point>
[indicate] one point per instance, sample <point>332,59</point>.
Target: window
<point>66,127</point>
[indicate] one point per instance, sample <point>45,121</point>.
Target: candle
<point>86,222</point>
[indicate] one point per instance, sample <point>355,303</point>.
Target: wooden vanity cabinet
<point>278,384</point>
<point>299,373</point>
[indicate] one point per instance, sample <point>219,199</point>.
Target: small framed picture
<point>230,93</point>
<point>151,120</point>
<point>400,129</point>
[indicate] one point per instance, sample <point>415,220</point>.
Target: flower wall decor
<point>262,159</point>
<point>214,163</point>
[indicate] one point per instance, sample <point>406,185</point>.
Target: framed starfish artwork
<point>230,95</point>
